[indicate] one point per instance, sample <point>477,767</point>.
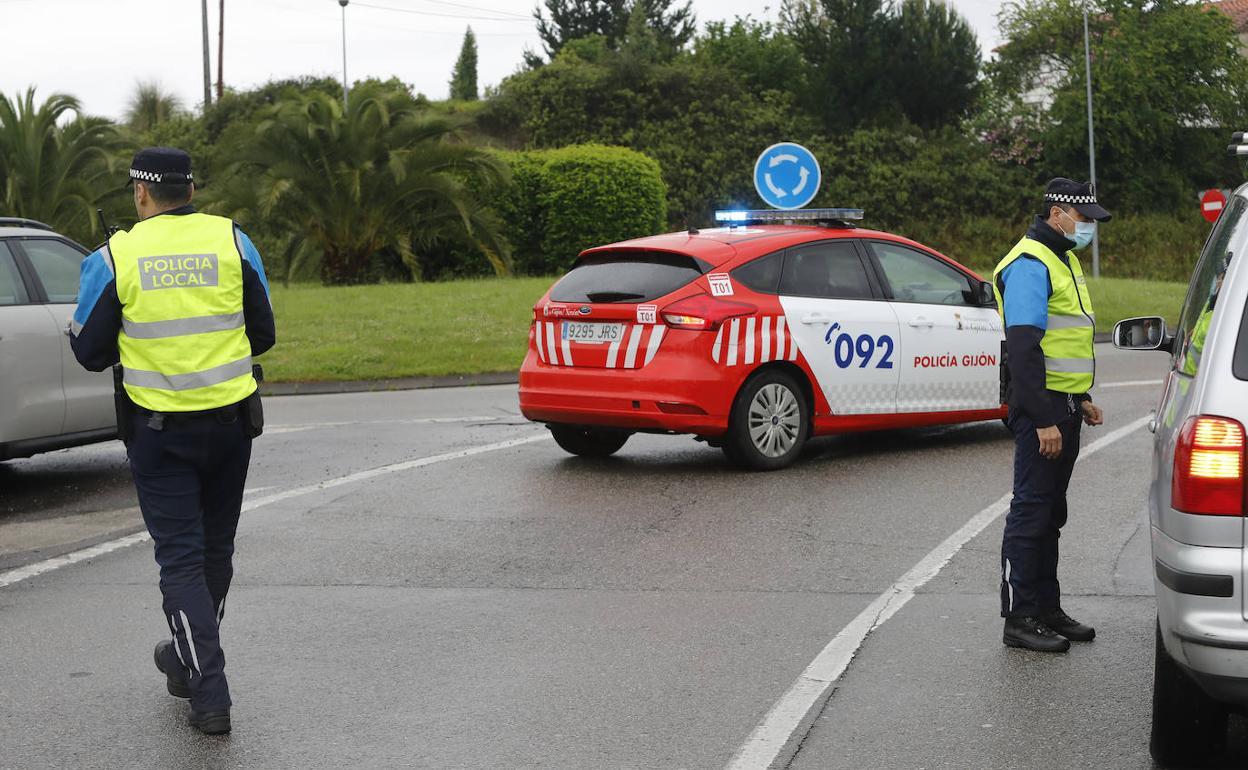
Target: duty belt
<point>157,420</point>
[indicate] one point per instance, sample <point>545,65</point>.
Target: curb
<point>424,383</point>
<point>398,383</point>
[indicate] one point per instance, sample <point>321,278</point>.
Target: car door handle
<point>921,322</point>
<point>816,318</point>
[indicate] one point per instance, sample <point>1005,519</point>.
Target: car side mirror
<point>1145,333</point>
<point>984,296</point>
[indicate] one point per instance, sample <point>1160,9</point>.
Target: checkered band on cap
<point>1058,198</point>
<point>151,176</point>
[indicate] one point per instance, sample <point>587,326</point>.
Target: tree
<point>464,76</point>
<point>763,57</point>
<point>381,178</point>
<point>873,63</point>
<point>672,21</point>
<point>56,165</point>
<point>1168,84</point>
<point>935,66</point>
<point>151,106</point>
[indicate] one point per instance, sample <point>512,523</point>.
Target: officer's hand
<point>1092,414</point>
<point>1050,442</point>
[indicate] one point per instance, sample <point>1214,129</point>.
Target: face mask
<point>1083,234</point>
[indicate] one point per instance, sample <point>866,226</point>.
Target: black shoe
<point>1033,634</point>
<point>210,722</point>
<point>175,675</point>
<point>1068,627</point>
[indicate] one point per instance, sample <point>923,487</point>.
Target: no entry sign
<point>1211,204</point>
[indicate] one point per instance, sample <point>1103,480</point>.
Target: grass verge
<point>401,330</point>
<point>480,326</point>
<point>1117,298</point>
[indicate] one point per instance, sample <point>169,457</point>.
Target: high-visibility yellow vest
<point>1196,345</point>
<point>1069,360</point>
<point>183,340</point>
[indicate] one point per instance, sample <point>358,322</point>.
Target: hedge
<point>563,201</point>
<point>1160,247</point>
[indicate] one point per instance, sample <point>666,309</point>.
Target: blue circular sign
<point>787,176</point>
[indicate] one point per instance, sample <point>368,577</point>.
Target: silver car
<point>47,401</point>
<point>1197,499</point>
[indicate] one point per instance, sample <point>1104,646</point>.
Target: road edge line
<point>775,740</point>
<point>18,574</point>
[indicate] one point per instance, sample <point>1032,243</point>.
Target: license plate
<point>580,331</point>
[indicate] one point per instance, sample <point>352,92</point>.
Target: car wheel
<point>1189,727</point>
<point>588,442</point>
<point>769,424</point>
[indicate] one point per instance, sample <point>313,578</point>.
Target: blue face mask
<point>1083,234</point>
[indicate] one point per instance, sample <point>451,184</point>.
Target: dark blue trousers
<point>1029,585</point>
<point>190,479</point>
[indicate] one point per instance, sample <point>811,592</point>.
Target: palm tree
<point>381,177</point>
<point>55,168</point>
<point>151,106</point>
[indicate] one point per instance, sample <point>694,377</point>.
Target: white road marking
<point>1129,384</point>
<point>296,427</point>
<point>791,717</point>
<point>48,565</point>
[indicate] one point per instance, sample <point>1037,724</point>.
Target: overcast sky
<point>98,50</point>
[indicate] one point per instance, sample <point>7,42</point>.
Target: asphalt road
<point>472,597</point>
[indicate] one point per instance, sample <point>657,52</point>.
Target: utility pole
<point>343,3</point>
<point>221,50</point>
<point>1087,66</point>
<point>207,65</point>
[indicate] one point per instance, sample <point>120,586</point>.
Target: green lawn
<point>401,330</point>
<point>480,326</point>
<point>1117,298</point>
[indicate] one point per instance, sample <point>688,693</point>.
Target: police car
<point>756,335</point>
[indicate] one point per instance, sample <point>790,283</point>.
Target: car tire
<point>585,441</point>
<point>769,423</point>
<point>1189,727</point>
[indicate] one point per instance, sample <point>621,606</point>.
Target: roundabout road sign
<point>787,176</point>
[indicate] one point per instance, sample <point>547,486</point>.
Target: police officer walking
<point>181,300</point>
<point>1049,323</point>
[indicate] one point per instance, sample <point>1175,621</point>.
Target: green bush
<point>563,201</point>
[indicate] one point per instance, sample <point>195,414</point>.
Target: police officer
<point>1049,322</point>
<point>181,300</point>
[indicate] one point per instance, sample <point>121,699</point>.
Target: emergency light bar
<point>733,217</point>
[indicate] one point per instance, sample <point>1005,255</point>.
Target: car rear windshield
<point>626,277</point>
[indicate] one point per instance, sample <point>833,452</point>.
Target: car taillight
<point>702,312</point>
<point>1209,467</point>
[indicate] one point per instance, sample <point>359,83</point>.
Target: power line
<point>441,15</point>
<point>479,8</point>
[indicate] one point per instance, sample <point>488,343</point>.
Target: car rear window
<point>626,277</point>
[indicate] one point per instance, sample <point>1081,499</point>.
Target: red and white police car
<point>759,334</point>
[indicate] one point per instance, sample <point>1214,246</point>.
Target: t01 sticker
<point>721,284</point>
<point>647,314</point>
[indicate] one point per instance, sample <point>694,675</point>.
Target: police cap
<point>1079,195</point>
<point>161,164</point>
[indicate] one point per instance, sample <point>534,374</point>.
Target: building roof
<point>1235,10</point>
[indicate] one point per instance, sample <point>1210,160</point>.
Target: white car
<point>47,401</point>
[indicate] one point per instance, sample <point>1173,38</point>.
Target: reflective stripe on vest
<point>155,330</point>
<point>1070,360</point>
<point>183,340</point>
<point>1069,365</point>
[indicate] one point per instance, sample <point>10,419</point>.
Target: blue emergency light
<point>734,217</point>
